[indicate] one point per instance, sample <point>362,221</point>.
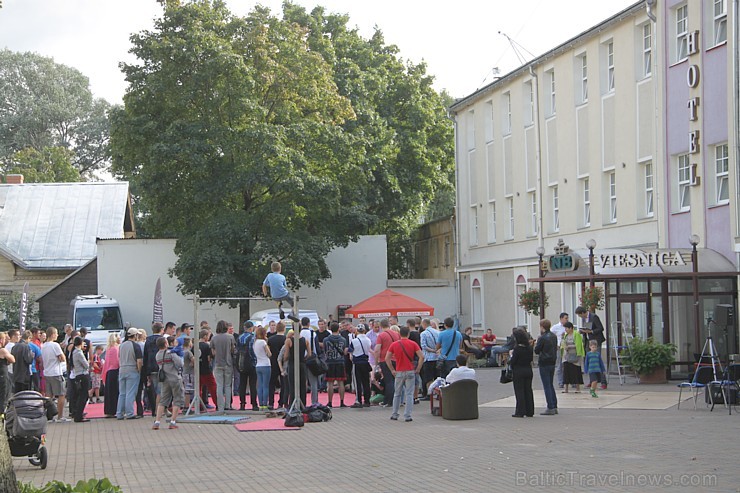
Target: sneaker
<point>294,318</point>
<point>60,420</point>
<point>549,412</point>
<point>367,404</point>
<point>416,401</point>
<point>282,314</point>
<point>329,404</point>
<point>343,405</point>
<point>593,394</point>
<point>255,407</point>
<point>173,426</point>
<point>394,418</point>
<point>356,405</point>
<point>155,426</point>
<point>408,419</point>
<point>425,398</point>
<point>209,406</point>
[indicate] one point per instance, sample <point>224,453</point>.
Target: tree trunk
<point>8,483</point>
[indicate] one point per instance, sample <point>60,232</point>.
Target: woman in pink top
<point>110,376</point>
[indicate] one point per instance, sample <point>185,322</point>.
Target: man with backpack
<point>247,366</point>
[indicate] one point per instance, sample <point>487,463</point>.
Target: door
<point>635,318</point>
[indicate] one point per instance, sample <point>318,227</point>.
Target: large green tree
<point>43,105</point>
<point>260,138</point>
<point>401,123</point>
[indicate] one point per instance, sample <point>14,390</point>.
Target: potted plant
<point>529,300</point>
<point>593,298</point>
<point>650,359</point>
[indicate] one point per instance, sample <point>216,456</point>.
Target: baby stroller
<point>25,423</point>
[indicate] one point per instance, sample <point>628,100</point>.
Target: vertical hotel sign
<point>692,79</point>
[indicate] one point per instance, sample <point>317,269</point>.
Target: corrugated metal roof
<point>54,225</point>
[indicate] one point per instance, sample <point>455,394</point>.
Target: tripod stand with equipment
<point>724,315</point>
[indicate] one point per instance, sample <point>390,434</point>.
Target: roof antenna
<point>517,48</point>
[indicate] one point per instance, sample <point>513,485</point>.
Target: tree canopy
<point>48,109</point>
<point>258,138</point>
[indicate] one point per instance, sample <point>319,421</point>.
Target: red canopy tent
<point>390,303</point>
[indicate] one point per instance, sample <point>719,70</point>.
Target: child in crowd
<point>96,374</point>
<point>377,388</point>
<point>594,366</point>
<point>188,370</point>
<point>276,284</point>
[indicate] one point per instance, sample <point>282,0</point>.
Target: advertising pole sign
<point>23,309</point>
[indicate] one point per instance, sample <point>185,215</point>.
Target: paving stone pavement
<point>361,450</point>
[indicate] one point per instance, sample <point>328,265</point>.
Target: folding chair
<point>702,377</point>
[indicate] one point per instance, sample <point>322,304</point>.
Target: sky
<point>460,40</point>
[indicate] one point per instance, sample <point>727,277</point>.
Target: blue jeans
<point>128,384</point>
<point>404,386</point>
<point>224,386</point>
<point>263,384</point>
<point>547,373</point>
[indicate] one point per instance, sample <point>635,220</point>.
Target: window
<point>492,222</point>
<point>470,129</point>
<point>507,113</point>
<point>612,197</point>
<point>473,225</point>
<point>720,21</point>
<point>555,209</point>
<point>528,103</point>
<point>647,49</point>
<point>682,30</point>
<point>610,67</point>
<point>488,122</point>
<point>586,203</point>
<point>511,217</point>
<point>551,85</point>
<point>684,182</point>
<point>583,77</point>
<point>721,167</point>
<point>649,188</point>
<point>533,211</point>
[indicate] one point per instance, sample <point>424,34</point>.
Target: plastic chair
<point>702,377</point>
<point>460,400</point>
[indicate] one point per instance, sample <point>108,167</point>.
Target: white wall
<point>357,272</point>
<point>128,271</point>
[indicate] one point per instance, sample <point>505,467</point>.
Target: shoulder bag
<point>316,365</point>
<point>441,361</point>
<point>507,375</point>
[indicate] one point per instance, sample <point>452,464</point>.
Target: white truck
<point>98,314</point>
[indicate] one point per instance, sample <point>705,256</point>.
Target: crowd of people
<point>381,361</point>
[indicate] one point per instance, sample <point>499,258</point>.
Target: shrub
<point>646,355</point>
<point>90,486</point>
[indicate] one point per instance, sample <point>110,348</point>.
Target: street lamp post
<point>694,240</point>
<point>540,253</point>
<point>591,244</point>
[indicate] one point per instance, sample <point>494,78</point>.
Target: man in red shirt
<point>405,372</point>
<point>382,344</point>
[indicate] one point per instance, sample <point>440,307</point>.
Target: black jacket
<point>547,348</point>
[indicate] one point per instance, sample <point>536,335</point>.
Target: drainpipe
<point>537,156</point>
<point>736,104</point>
<point>649,4</point>
<point>455,236</point>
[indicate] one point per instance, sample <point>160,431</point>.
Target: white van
<point>98,314</point>
<point>264,317</point>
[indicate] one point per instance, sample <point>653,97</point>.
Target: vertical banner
<point>158,315</point>
<point>23,309</point>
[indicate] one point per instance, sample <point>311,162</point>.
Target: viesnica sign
<point>666,258</point>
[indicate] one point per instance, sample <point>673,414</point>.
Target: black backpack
<point>244,360</point>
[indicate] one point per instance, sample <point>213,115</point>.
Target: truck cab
<point>99,314</point>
